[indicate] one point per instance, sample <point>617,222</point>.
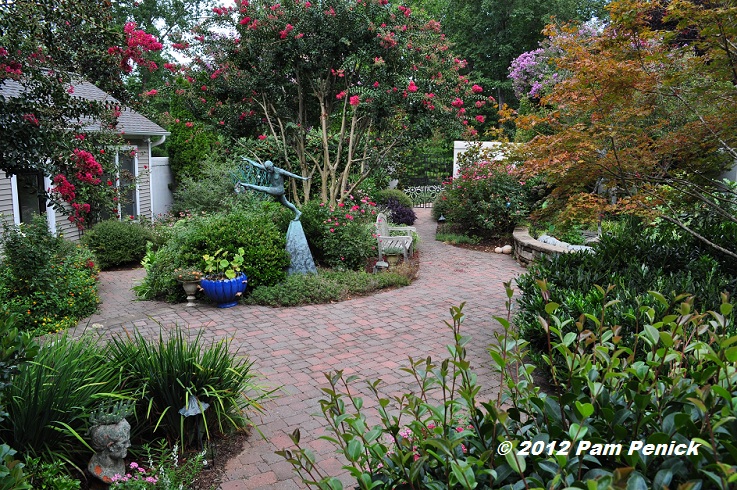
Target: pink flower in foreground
<point>355,100</point>
<point>262,137</point>
<point>477,89</point>
<point>480,119</point>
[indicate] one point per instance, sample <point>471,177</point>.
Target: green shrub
<point>327,286</point>
<point>440,435</point>
<point>117,242</point>
<point>455,239</point>
<point>382,197</point>
<point>211,189</point>
<point>487,199</point>
<point>635,260</point>
<point>440,206</point>
<point>12,476</point>
<point>50,476</point>
<point>256,231</point>
<point>177,371</point>
<point>341,238</point>
<point>49,281</point>
<point>49,399</point>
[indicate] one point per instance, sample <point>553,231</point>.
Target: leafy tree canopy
<point>328,89</point>
<point>489,34</point>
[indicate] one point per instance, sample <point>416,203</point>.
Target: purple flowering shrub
<point>534,73</point>
<point>400,214</point>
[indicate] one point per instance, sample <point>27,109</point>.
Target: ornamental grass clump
<point>180,368</point>
<point>50,399</point>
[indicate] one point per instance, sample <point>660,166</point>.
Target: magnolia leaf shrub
<point>590,432</point>
<point>116,242</point>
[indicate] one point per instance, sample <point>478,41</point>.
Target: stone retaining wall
<point>526,248</point>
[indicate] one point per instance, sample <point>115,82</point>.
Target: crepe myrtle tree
<point>336,87</point>
<point>44,48</point>
<point>644,105</point>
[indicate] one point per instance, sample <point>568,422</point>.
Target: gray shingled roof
<point>130,123</point>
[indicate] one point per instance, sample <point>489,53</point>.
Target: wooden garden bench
<point>393,237</point>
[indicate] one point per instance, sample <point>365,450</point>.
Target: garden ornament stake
<point>276,179</point>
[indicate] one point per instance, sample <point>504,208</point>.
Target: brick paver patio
<point>293,347</point>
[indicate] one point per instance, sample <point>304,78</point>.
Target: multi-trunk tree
<point>645,106</point>
<point>334,86</point>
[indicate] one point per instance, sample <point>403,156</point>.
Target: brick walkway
<point>293,347</point>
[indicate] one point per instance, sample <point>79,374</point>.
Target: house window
<point>31,201</point>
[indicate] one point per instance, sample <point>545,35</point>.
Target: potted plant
<point>223,281</point>
<point>392,255</point>
<point>190,280</point>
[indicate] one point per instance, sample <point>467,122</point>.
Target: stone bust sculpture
<point>111,443</point>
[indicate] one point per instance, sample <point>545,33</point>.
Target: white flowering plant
<point>163,470</point>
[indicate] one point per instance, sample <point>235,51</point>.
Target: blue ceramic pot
<point>225,292</point>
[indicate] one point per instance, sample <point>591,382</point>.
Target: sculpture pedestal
<point>299,251</point>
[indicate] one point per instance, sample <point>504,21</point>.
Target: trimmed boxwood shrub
<point>383,197</point>
<point>256,231</point>
<point>635,260</point>
<point>117,242</point>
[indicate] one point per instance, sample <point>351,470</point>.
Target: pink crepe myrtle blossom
<point>31,119</point>
<point>355,100</point>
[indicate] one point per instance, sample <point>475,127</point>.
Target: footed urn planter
<point>225,292</point>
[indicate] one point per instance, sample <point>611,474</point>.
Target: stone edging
<point>526,248</point>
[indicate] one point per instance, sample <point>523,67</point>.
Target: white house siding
<point>144,179</point>
<point>66,228</point>
<point>6,198</point>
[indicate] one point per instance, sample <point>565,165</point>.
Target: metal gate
<point>422,179</point>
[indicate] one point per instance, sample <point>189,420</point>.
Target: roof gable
<point>130,122</point>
